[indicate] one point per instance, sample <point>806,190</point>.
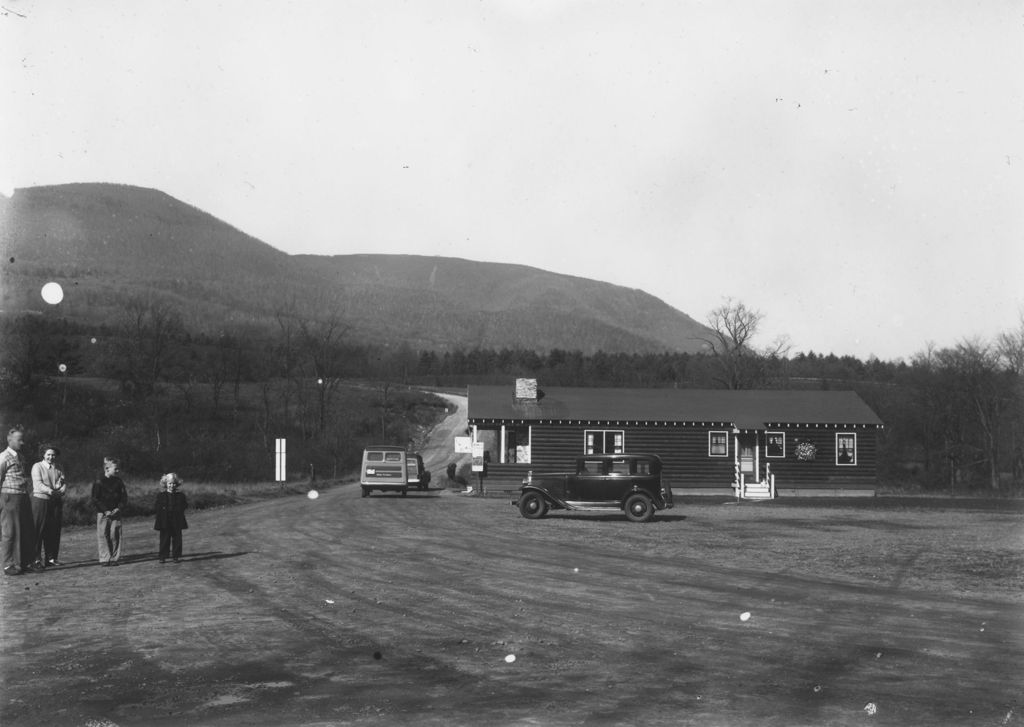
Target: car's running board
<point>592,506</point>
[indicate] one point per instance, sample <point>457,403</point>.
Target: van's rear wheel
<point>638,508</point>
<point>532,506</point>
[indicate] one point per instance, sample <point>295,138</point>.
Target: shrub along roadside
<point>78,509</point>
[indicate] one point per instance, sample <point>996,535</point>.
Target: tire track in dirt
<point>610,623</point>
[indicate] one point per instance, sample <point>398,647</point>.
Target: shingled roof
<point>750,409</point>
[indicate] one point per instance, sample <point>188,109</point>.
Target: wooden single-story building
<point>756,443</point>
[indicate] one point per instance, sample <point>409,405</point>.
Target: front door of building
<point>748,456</point>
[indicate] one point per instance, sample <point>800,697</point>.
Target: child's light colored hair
<point>169,478</point>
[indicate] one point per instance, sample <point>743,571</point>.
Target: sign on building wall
<point>463,445</point>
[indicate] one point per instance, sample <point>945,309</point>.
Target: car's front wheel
<point>532,506</point>
<point>638,508</point>
<point>366,492</point>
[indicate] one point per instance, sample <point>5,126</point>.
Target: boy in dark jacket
<point>110,498</point>
<point>170,517</point>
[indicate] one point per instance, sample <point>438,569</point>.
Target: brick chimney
<point>526,391</point>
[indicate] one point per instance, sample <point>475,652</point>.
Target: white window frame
<point>725,434</point>
<point>774,456</point>
<point>846,434</point>
<point>587,448</point>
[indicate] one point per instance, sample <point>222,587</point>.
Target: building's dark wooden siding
<point>823,472</point>
<point>684,450</point>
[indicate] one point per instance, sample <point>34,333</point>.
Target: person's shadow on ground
<point>149,558</point>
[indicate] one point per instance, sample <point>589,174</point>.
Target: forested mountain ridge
<point>106,243</point>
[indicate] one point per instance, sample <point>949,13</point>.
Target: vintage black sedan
<point>600,483</point>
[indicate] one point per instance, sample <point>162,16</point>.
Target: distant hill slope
<point>105,243</point>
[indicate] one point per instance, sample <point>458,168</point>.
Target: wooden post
<point>280,460</point>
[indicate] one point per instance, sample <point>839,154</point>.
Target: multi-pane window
<point>604,441</point>
<point>775,444</point>
<point>846,449</point>
<point>718,444</point>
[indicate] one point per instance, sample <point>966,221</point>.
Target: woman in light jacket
<point>48,488</point>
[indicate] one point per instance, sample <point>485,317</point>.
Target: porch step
<point>757,491</point>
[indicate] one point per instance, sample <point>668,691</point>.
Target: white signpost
<point>478,456</point>
<point>280,460</point>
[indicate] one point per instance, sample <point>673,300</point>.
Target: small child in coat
<point>170,517</point>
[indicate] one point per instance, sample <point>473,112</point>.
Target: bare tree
<point>26,353</point>
<point>1010,349</point>
<point>286,352</point>
<point>966,394</point>
<point>985,389</point>
<point>935,416</point>
<point>151,328</point>
<point>321,342</point>
<point>385,409</point>
<point>733,327</point>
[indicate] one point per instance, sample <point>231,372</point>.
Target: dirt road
<point>437,452</point>
<point>391,610</point>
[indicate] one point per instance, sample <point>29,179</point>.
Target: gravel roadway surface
<point>388,610</point>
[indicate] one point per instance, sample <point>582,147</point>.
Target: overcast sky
<point>855,170</point>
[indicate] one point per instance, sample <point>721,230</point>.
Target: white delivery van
<point>384,468</point>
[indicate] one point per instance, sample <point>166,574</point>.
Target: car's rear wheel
<point>532,505</point>
<point>366,492</point>
<point>638,508</point>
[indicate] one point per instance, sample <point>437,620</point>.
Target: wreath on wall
<point>806,451</point>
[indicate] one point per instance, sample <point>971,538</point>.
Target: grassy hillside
<point>463,302</point>
<point>107,243</point>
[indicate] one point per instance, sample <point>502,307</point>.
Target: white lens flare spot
<point>510,659</point>
<point>63,368</point>
<point>92,340</point>
<point>312,494</point>
<point>745,616</point>
<point>575,570</point>
<point>871,708</point>
<point>52,293</point>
